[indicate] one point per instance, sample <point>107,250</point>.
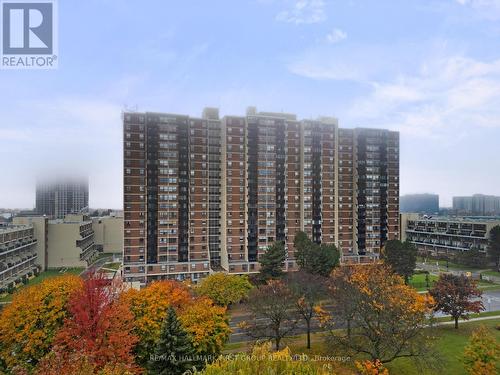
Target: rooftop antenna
<point>134,108</point>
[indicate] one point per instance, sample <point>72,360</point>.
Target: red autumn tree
<point>456,296</point>
<point>99,327</point>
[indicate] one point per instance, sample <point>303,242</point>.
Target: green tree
<point>301,243</point>
<point>223,288</point>
<point>482,353</point>
<point>473,258</point>
<point>494,246</point>
<point>313,258</point>
<point>272,261</point>
<point>401,257</point>
<point>174,352</point>
<point>323,259</point>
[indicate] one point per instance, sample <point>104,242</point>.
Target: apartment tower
<point>57,197</point>
<point>207,194</point>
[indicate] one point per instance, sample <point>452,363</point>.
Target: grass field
<point>43,276</point>
<point>451,265</point>
<point>449,350</point>
<point>418,281</point>
<point>449,347</point>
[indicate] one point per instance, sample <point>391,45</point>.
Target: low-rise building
<point>71,242</point>
<point>18,255</point>
<point>67,242</point>
<point>108,233</point>
<point>446,235</point>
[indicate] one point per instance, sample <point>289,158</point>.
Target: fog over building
<point>420,203</point>
<point>60,196</point>
<point>477,204</point>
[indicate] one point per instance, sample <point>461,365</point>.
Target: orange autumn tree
<point>29,324</point>
<point>201,318</point>
<point>149,306</point>
<point>388,317</point>
<point>98,328</point>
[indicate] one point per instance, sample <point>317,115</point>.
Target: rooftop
<point>13,228</point>
<point>472,219</point>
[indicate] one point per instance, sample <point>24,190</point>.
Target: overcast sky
<point>430,69</point>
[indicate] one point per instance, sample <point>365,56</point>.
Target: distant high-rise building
<point>56,198</point>
<point>477,204</point>
<point>420,203</point>
<point>209,193</point>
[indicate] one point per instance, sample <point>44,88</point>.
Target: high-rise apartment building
<point>204,194</point>
<point>477,204</point>
<point>56,198</point>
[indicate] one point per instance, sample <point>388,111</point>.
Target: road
<point>96,266</point>
<point>491,301</point>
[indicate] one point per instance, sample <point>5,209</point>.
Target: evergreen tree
<point>313,258</point>
<point>322,259</point>
<point>174,352</point>
<point>272,261</point>
<point>494,246</point>
<point>301,243</point>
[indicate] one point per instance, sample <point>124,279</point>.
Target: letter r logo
<point>27,28</point>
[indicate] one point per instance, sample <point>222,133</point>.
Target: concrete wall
<point>109,233</point>
<point>63,251</point>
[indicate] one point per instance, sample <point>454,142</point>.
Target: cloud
<point>336,36</point>
<point>344,62</point>
<point>489,9</point>
<point>448,98</point>
<point>304,12</point>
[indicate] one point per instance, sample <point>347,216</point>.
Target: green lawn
<point>449,345</point>
<point>418,281</point>
<point>449,349</point>
<point>451,265</point>
<point>43,276</point>
<point>478,315</point>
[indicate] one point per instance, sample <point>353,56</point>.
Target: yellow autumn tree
<point>482,354</point>
<point>224,289</point>
<point>264,361</point>
<point>29,324</point>
<point>388,317</point>
<point>207,324</point>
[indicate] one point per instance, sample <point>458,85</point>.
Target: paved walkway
<point>470,320</point>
